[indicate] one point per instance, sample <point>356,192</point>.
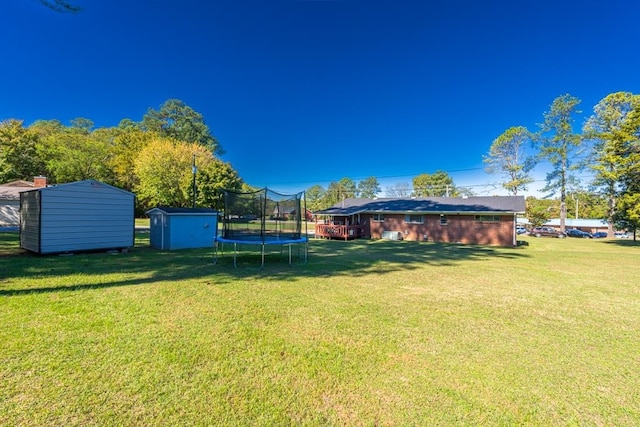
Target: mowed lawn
<point>366,333</point>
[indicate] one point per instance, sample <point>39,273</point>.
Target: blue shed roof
<point>183,211</point>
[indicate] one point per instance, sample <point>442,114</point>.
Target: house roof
<point>18,183</point>
<point>443,205</point>
<point>11,190</point>
<point>183,211</point>
<point>284,210</point>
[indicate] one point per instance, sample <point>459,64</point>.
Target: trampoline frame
<point>218,246</point>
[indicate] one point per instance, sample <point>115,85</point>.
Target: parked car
<point>621,235</point>
<point>578,233</point>
<point>520,229</point>
<point>547,232</point>
<point>600,235</point>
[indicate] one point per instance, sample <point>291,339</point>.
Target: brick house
<point>471,220</point>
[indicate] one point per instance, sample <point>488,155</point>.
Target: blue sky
<point>307,92</point>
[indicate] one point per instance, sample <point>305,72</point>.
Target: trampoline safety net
<point>262,215</point>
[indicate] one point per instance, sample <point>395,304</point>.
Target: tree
<point>610,129</point>
<point>437,184</point>
<point>368,188</point>
<point>246,188</point>
<point>628,211</point>
<point>400,190</point>
<point>539,211</point>
<point>164,171</point>
<point>47,131</point>
<point>347,188</point>
<point>507,155</point>
<point>75,153</point>
<point>177,120</point>
<point>464,192</point>
<point>127,143</point>
<point>585,204</point>
<point>557,144</point>
<point>315,198</point>
<point>128,124</point>
<point>19,158</point>
<point>338,191</point>
<point>82,124</point>
<point>60,6</point>
<point>213,177</point>
<point>45,128</point>
<point>628,215</point>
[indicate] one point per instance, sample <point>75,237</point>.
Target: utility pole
<point>576,199</point>
<point>193,171</point>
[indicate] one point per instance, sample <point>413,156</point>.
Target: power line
<point>360,178</point>
<point>484,187</point>
<point>443,188</point>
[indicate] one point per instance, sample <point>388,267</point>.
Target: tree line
<point>608,146</point>
<point>437,184</point>
<point>153,158</point>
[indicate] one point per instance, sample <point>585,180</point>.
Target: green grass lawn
<point>365,333</point>
<point>142,222</point>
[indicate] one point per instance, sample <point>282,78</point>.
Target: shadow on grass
<point>144,265</point>
<point>622,242</point>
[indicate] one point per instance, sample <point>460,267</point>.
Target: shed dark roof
<point>184,211</point>
<point>80,184</point>
<point>493,204</point>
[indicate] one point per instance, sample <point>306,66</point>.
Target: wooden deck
<point>345,232</point>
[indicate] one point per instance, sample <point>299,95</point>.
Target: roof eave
<point>445,212</point>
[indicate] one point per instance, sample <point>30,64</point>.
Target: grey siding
<point>85,215</point>
<point>30,221</point>
<point>9,212</point>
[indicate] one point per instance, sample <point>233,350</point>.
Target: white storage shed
<point>78,216</point>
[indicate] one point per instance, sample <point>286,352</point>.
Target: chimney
<point>40,181</point>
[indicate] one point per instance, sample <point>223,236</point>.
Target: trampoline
<point>263,218</point>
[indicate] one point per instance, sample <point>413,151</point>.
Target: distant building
<point>10,199</point>
<point>588,225</point>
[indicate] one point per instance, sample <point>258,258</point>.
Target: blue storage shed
<point>182,228</point>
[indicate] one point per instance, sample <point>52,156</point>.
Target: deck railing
<point>345,232</point>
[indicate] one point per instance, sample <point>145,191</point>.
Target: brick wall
<point>458,228</point>
<point>40,181</point>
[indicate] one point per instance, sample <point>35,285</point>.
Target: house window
<point>443,220</point>
<point>414,219</point>
<point>378,217</point>
<point>487,218</point>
